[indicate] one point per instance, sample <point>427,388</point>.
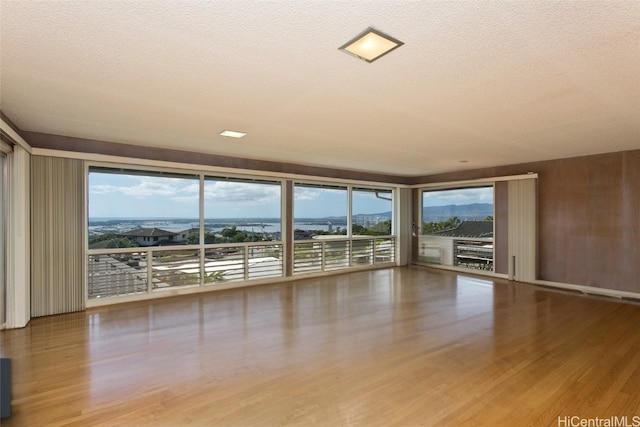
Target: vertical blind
<point>57,209</point>
<point>522,230</point>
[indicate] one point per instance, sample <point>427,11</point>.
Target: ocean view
<point>98,226</point>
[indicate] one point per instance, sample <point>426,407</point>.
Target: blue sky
<point>137,196</point>
<point>127,196</point>
<point>323,202</point>
<point>465,196</point>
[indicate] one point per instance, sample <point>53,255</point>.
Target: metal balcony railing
<point>319,255</point>
<point>130,271</point>
<point>143,270</point>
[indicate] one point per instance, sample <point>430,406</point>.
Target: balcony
<point>326,254</point>
<point>474,254</point>
<point>119,272</point>
<point>139,271</point>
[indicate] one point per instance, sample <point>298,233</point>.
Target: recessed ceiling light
<point>232,133</point>
<point>370,45</point>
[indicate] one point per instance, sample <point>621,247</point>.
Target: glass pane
<point>224,264</point>
<point>362,252</point>
<point>336,255</point>
<point>175,268</point>
<point>265,261</point>
<point>371,212</point>
<point>319,211</point>
<point>117,274</point>
<point>307,257</point>
<point>385,250</point>
<point>238,211</point>
<point>141,209</point>
<point>457,227</point>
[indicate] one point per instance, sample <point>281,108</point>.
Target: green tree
<point>452,222</point>
<point>382,228</point>
<point>103,237</point>
<point>229,232</point>
<point>193,238</point>
<point>121,242</point>
<point>239,237</point>
<point>209,238</point>
<point>436,226</point>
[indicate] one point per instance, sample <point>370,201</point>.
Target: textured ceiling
<point>491,82</point>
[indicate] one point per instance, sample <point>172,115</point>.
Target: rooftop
<point>149,232</point>
<point>475,229</point>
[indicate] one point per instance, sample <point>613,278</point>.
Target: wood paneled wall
<point>57,230</point>
<point>588,217</point>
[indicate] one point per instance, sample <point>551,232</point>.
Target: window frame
<point>382,255</point>
<point>457,186</point>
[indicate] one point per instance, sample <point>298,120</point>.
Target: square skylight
<point>232,133</point>
<point>370,45</point>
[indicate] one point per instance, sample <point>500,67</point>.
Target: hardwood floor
<point>396,347</point>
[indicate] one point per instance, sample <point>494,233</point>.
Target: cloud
<point>308,193</point>
<point>100,190</point>
<point>241,193</point>
<point>459,196</point>
<point>146,187</point>
<point>170,195</point>
<point>302,193</point>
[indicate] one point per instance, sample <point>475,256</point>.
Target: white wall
<point>18,239</point>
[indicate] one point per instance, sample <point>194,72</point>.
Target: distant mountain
<point>472,211</point>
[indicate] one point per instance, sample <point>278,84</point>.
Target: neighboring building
<point>151,236</point>
<point>470,229</point>
<point>182,236</point>
<point>469,245</point>
<point>303,234</point>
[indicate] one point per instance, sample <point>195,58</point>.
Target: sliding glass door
<point>458,227</point>
<point>488,227</point>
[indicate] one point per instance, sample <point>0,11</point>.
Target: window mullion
<point>201,240</point>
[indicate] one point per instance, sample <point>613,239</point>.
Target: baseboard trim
<point>592,291</point>
<point>471,271</point>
